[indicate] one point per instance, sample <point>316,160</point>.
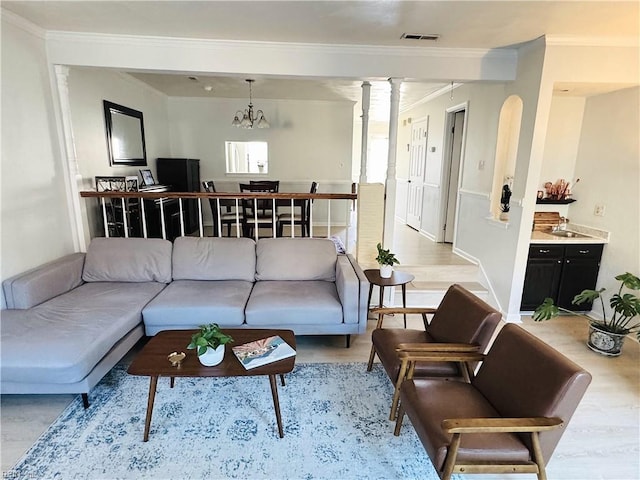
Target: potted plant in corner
<point>386,260</point>
<point>209,343</point>
<point>607,335</point>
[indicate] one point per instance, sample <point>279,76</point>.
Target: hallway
<point>434,266</point>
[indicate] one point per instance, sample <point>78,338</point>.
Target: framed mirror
<point>125,135</point>
<point>247,157</point>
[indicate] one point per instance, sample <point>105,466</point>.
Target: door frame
<point>446,168</point>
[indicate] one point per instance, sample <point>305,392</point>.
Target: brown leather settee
<point>508,419</point>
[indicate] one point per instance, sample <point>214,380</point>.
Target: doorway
<point>417,162</point>
<point>451,172</point>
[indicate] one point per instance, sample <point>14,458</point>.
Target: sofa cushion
<point>190,303</point>
<point>60,341</point>
<point>128,260</point>
<point>214,259</point>
<point>296,259</point>
<point>42,283</point>
<point>293,303</point>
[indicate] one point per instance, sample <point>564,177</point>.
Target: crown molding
<point>575,41</point>
<point>21,23</point>
<point>437,93</point>
<point>339,49</point>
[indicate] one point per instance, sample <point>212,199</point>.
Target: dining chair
<point>303,218</point>
<point>227,211</point>
<point>255,213</point>
<point>272,186</point>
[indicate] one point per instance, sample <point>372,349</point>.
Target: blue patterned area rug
<point>334,417</point>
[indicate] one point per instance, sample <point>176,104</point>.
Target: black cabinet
<point>183,175</point>
<point>560,272</point>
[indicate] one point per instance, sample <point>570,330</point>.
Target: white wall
<point>35,225</point>
<point>608,163</point>
<point>88,87</point>
<point>309,140</point>
<point>561,143</point>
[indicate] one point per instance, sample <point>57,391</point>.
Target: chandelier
<point>249,120</point>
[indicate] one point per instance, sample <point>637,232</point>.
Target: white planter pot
<point>603,342</point>
<point>212,357</point>
<point>386,271</point>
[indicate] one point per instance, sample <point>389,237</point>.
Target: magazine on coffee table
<point>261,352</point>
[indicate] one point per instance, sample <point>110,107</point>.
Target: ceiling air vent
<point>418,36</point>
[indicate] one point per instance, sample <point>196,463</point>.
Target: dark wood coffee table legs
<point>153,384</point>
<point>276,402</point>
<point>152,395</point>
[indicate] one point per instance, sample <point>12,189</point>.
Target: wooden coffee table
<point>152,362</point>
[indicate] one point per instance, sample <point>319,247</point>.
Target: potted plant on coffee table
<point>386,260</point>
<point>607,335</point>
<point>209,344</point>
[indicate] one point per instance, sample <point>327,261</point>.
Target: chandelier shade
<point>247,118</point>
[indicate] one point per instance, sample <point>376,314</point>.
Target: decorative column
<point>390,190</point>
<point>366,96</point>
<point>73,179</point>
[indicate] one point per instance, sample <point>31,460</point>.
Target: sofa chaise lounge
<point>70,321</point>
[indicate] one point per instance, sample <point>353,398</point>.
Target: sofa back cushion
<point>212,258</point>
<point>42,283</point>
<point>128,260</point>
<point>296,259</point>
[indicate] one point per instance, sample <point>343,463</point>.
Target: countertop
<point>591,235</point>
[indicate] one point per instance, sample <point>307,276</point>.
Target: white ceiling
<point>460,24</point>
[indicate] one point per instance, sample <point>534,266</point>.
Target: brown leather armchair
<point>461,323</point>
<point>508,419</point>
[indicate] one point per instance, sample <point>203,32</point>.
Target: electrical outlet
<point>598,211</point>
<point>481,165</point>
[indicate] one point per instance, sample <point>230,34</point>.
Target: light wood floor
<point>602,441</point>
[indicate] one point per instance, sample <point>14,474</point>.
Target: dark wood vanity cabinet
<point>560,272</point>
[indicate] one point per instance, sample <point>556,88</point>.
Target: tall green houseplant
<point>606,335</point>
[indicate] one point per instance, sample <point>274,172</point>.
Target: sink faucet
<point>562,225</point>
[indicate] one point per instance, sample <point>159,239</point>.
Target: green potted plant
<point>209,343</point>
<point>607,335</point>
<point>386,260</point>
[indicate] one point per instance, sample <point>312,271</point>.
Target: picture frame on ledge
<point>147,178</point>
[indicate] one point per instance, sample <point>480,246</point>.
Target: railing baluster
<point>255,218</point>
<point>219,219</point>
<point>329,219</point>
<point>310,219</point>
<point>162,222</point>
<point>144,218</point>
<point>273,217</point>
<point>292,222</point>
<point>237,219</point>
<point>201,223</point>
<point>181,212</point>
<point>104,217</point>
<point>124,218</point>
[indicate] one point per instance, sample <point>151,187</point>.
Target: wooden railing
<point>126,202</point>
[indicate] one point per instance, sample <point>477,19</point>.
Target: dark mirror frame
<point>109,109</point>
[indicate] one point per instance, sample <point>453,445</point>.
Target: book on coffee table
<point>261,352</point>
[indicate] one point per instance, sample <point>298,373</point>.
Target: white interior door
<point>454,176</point>
<point>417,161</point>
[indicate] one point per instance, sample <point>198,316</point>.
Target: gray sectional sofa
<point>70,321</point>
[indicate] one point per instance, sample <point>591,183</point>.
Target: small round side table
<point>397,278</point>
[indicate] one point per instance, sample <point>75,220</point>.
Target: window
<point>247,157</point>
